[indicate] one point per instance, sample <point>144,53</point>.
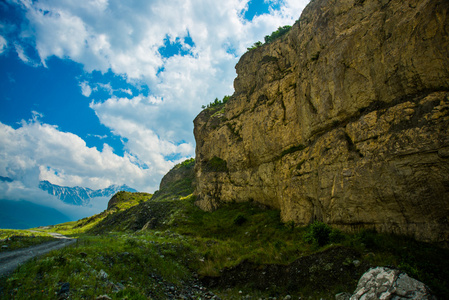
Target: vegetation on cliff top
<point>188,163</point>
<point>272,37</point>
<point>217,103</point>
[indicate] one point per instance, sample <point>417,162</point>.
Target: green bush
<point>188,163</point>
<point>273,36</point>
<point>239,220</point>
<point>217,102</point>
<point>216,164</point>
<point>336,236</point>
<point>255,46</point>
<point>368,237</point>
<point>318,233</point>
<point>277,34</point>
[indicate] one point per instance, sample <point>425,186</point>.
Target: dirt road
<point>10,260</point>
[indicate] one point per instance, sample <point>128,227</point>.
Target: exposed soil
<point>322,271</point>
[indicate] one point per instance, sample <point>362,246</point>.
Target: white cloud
<point>101,137</point>
<point>37,151</point>
<point>134,119</point>
<point>126,91</point>
<point>124,37</point>
<point>21,54</point>
<point>3,44</point>
<point>86,90</point>
<point>106,86</point>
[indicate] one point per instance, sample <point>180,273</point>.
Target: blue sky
<point>103,92</point>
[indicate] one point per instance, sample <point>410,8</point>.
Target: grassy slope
<point>12,239</point>
<point>240,247</point>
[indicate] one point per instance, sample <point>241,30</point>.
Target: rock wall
<point>344,119</point>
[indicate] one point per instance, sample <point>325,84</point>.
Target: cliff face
<point>345,120</point>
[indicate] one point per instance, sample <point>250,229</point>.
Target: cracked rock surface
<point>385,283</point>
<point>344,120</point>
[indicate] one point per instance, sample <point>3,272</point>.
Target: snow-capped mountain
<point>79,195</point>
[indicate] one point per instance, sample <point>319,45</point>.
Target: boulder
<point>386,283</point>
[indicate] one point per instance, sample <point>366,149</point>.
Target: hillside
<point>149,247</point>
<point>344,120</point>
<point>328,160</point>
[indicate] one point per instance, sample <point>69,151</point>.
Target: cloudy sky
<point>101,92</point>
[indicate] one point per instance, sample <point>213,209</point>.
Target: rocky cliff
<point>344,119</point>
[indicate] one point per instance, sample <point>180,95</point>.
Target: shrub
<point>336,236</point>
<point>277,34</point>
<point>290,225</point>
<point>368,237</point>
<point>188,163</point>
<point>255,46</point>
<point>273,36</point>
<point>217,102</point>
<point>216,164</point>
<point>239,220</point>
<point>318,232</point>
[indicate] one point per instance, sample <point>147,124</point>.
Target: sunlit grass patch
<point>100,265</point>
<point>11,239</point>
<point>121,201</point>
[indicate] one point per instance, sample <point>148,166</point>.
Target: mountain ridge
<point>81,195</point>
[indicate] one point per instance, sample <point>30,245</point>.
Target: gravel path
<point>10,260</point>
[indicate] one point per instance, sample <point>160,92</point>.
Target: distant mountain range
<point>24,214</point>
<point>80,195</point>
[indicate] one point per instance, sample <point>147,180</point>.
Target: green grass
<point>189,240</point>
<point>423,261</point>
<point>124,201</point>
<point>181,188</point>
<point>188,163</point>
<point>184,240</point>
<point>131,263</point>
<point>16,239</point>
<point>227,241</point>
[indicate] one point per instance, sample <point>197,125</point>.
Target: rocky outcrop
<point>178,182</point>
<point>344,120</point>
<point>178,173</point>
<point>385,283</point>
